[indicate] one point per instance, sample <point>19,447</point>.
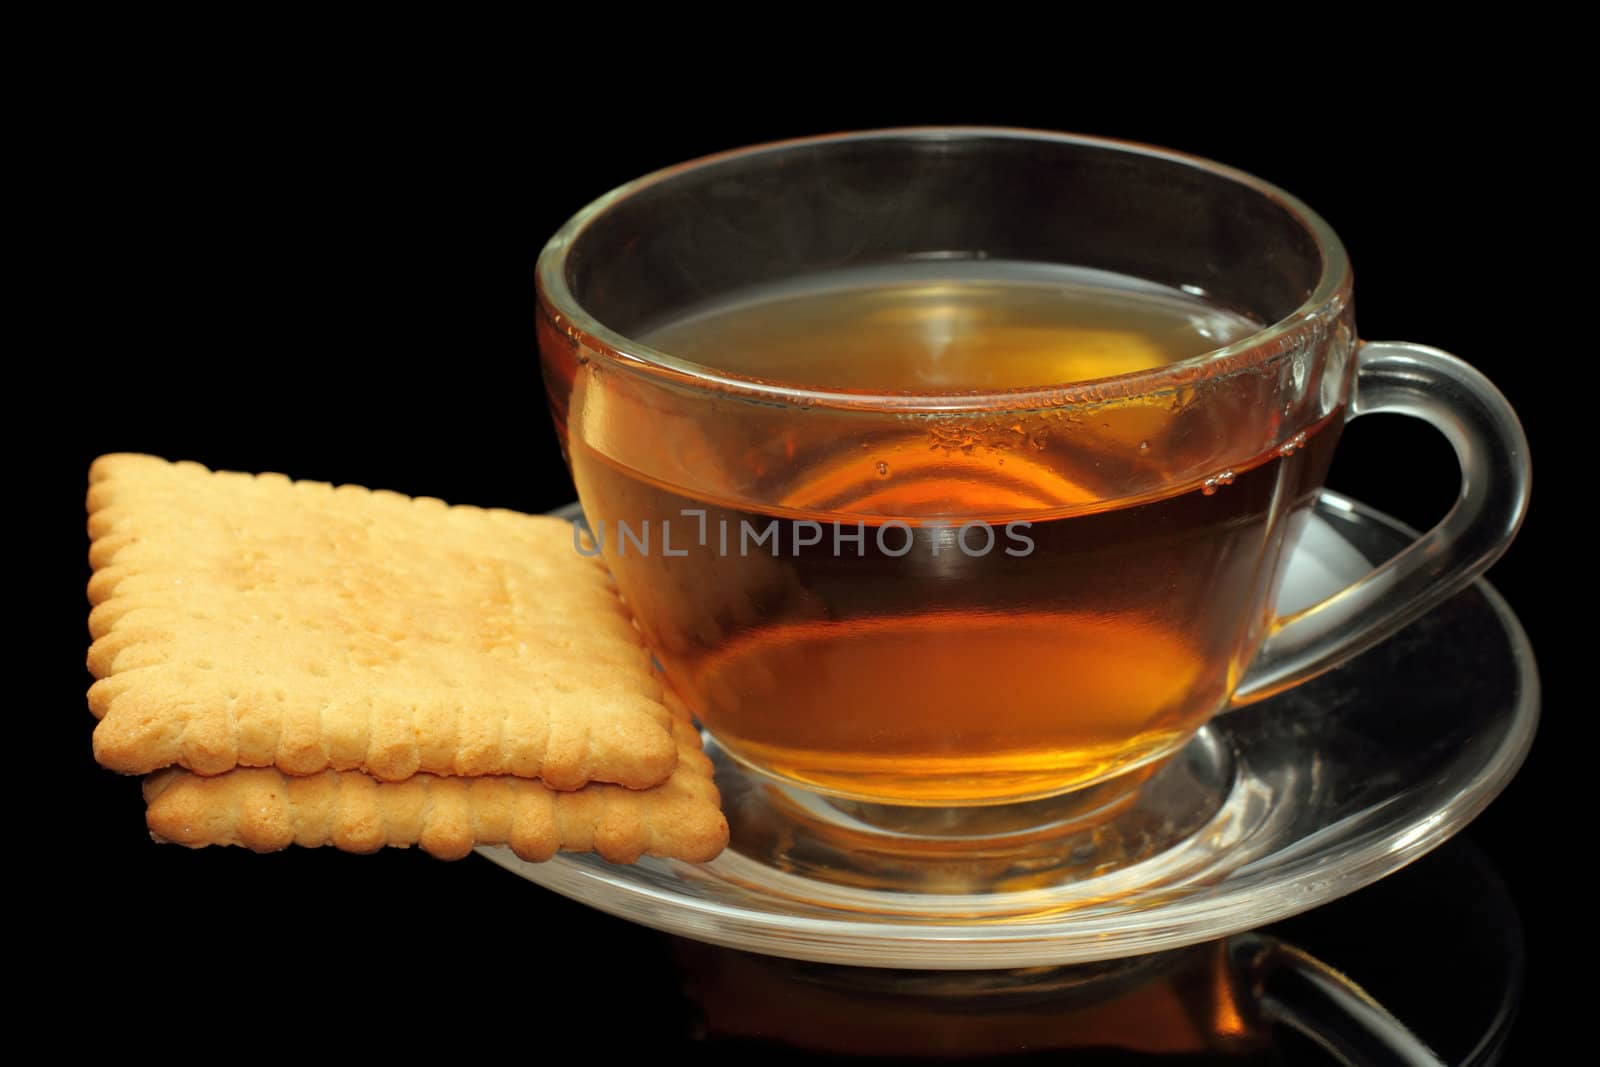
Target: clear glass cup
<point>883,646</point>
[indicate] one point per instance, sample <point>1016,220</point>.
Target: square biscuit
<point>266,810</point>
<point>252,621</point>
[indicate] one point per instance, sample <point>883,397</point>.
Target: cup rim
<point>560,307</point>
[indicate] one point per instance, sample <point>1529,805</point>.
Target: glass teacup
<point>958,467</point>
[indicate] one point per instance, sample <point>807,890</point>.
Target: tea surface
<point>968,324</point>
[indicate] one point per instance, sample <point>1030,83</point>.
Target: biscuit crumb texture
<point>250,621</point>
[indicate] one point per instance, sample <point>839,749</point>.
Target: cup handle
<point>1489,444</point>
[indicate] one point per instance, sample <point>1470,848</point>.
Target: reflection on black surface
<point>1447,989</point>
<point>1178,1005</point>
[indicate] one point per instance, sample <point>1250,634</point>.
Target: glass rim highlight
<point>560,306</point>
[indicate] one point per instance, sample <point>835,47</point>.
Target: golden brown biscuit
<point>266,810</point>
<point>251,621</point>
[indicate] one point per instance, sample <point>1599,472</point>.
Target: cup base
<point>872,786</point>
<point>1139,819</point>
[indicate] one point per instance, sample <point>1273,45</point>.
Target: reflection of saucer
<point>1284,805</point>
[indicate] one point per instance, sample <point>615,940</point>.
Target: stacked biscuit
<point>293,663</point>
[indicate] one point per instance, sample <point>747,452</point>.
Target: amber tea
<point>950,609</point>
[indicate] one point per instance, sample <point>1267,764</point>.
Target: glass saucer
<point>1269,811</point>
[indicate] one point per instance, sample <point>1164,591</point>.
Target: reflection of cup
<point>1436,970</point>
<point>908,593</point>
<point>1180,1004</point>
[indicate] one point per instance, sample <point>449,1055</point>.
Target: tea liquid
<point>953,612</point>
<point>950,326</point>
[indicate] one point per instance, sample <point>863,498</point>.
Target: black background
<point>331,275</point>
